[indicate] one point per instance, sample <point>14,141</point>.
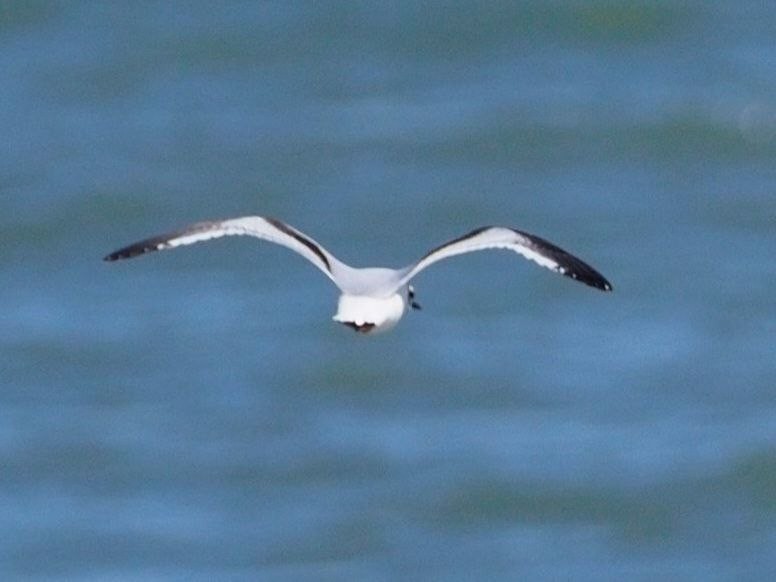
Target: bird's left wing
<point>529,246</point>
<point>268,229</point>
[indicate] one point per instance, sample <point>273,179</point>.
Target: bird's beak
<point>415,305</point>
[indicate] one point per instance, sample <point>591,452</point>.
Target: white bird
<point>373,299</point>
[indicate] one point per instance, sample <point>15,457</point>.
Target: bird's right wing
<point>530,246</point>
<point>268,229</point>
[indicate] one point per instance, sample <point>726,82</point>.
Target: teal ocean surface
<point>196,414</point>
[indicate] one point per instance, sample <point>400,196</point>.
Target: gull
<point>373,299</point>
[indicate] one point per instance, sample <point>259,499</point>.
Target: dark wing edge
<point>158,242</point>
<point>569,265</point>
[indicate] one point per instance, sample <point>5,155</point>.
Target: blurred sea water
<point>196,414</point>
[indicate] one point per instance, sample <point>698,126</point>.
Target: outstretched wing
<point>268,229</point>
<point>531,247</point>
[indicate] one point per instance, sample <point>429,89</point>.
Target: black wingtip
<point>126,253</point>
<point>599,282</point>
<point>584,273</point>
<point>133,250</point>
<point>593,279</point>
<point>119,255</point>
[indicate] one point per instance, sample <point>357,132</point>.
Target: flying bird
<point>373,299</point>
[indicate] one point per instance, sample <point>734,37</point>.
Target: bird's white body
<point>373,299</point>
<point>370,314</point>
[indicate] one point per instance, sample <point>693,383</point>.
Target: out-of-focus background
<point>196,414</point>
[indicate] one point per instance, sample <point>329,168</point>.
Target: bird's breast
<point>370,314</point>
